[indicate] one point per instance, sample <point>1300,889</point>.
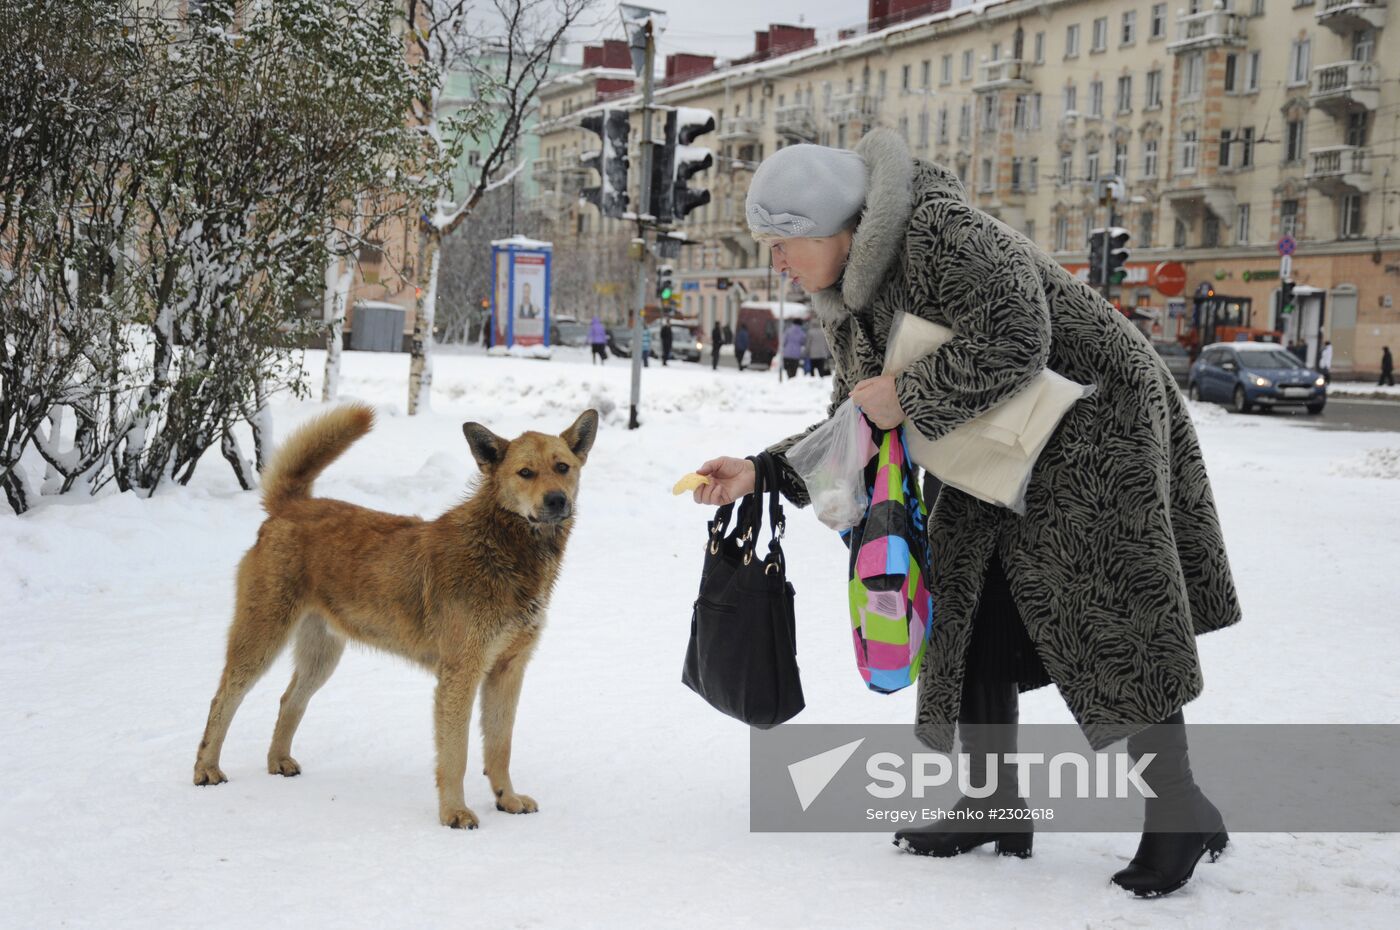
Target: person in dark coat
<point>1387,368</point>
<point>667,340</point>
<point>716,341</point>
<point>741,345</point>
<point>1118,563</point>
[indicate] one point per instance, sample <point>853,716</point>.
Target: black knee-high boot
<point>986,724</point>
<point>1181,824</point>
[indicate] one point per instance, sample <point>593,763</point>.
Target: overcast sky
<point>725,27</point>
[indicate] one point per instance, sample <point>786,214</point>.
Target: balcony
<point>796,122</point>
<point>855,108</point>
<point>542,171</point>
<point>1347,16</point>
<point>1004,73</point>
<point>1213,27</point>
<point>1339,169</point>
<point>1344,86</point>
<point>740,127</point>
<point>1191,196</point>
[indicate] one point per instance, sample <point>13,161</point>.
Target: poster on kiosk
<point>520,310</point>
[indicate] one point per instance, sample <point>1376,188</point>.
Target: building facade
<point>1232,125</point>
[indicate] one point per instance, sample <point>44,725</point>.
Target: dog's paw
<point>516,804</point>
<point>459,819</point>
<point>208,775</point>
<point>284,766</point>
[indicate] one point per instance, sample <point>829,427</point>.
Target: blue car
<point>1247,375</point>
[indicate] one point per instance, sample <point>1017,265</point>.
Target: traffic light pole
<point>645,204</point>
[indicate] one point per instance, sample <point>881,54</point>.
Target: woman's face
<point>812,263</point>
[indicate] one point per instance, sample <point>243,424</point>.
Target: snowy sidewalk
<point>116,612</point>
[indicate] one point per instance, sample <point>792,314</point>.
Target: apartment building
<point>1232,124</point>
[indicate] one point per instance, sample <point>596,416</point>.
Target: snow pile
<point>1376,463</point>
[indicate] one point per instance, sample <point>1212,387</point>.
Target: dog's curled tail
<point>308,451</point>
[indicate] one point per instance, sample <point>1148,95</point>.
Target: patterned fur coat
<point>1119,562</point>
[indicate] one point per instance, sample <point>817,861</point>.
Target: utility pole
<point>630,17</point>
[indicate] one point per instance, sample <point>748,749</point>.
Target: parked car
<point>1177,359</point>
<point>568,332</point>
<point>1246,375</point>
<point>684,346</point>
<point>620,341</point>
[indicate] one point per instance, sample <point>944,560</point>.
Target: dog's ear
<point>487,448</point>
<point>580,436</point>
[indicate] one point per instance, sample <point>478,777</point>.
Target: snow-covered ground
<point>1365,389</point>
<point>115,612</point>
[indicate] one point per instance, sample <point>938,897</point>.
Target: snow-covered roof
<point>522,242</point>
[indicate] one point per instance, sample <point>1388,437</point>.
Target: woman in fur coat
<point>1118,563</point>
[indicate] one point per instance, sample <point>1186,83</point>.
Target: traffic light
<point>665,284</point>
<point>610,161</point>
<point>1097,246</point>
<point>676,160</point>
<point>1285,298</point>
<point>1117,254</point>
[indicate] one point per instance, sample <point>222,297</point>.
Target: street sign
<point>1287,245</point>
<point>1285,266</point>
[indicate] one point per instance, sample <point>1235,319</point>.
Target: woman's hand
<point>877,399</point>
<point>731,479</point>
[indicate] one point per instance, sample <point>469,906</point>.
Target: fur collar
<point>889,202</point>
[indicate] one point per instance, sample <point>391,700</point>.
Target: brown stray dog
<point>463,595</point>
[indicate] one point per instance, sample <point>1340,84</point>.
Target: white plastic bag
<point>831,460</point>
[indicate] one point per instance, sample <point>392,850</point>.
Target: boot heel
<point>1015,844</point>
<point>1216,845</point>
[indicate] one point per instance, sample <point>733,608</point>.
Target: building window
<point>1096,98</point>
<point>904,128</point>
<point>989,112</point>
<point>967,65</point>
<point>1288,218</point>
<point>1040,48</point>
<point>1159,20</point>
<point>1149,158</point>
<point>1018,113</point>
<point>1072,41</point>
<point>1231,65</point>
<point>1145,230</point>
<point>996,52</point>
<point>1351,216</point>
<point>1226,140</point>
<point>943,125</point>
<point>1363,45</point>
<point>1120,158</point>
<point>1242,224</point>
<point>1194,69</point>
<point>1033,170</point>
<point>1100,34</point>
<point>945,73</point>
<point>1129,27</point>
<point>1258,7</point>
<point>1294,150</point>
<point>1018,165</point>
<point>1091,167</point>
<point>1188,150</point>
<point>1179,234</point>
<point>1125,94</point>
<point>923,127</point>
<point>1061,233</point>
<point>1210,231</point>
<point>1035,110</point>
<point>882,84</point>
<point>1071,98</point>
<point>1251,73</point>
<point>986,179</point>
<point>904,78</point>
<point>925,74</point>
<point>1356,128</point>
<point>1154,89</point>
<point>1298,58</point>
<point>1066,167</point>
<point>1247,147</point>
<point>965,120</point>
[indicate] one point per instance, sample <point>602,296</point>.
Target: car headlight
<point>1321,381</point>
<point>1260,382</point>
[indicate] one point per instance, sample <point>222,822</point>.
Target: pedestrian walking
<point>1387,368</point>
<point>667,340</point>
<point>598,340</point>
<point>1324,363</point>
<point>794,340</point>
<point>741,345</point>
<point>819,351</point>
<point>716,341</point>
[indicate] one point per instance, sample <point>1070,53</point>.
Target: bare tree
<point>507,60</point>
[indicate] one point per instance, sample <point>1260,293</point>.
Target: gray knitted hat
<point>807,191</point>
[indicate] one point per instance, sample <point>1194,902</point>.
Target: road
<point>1360,416</point>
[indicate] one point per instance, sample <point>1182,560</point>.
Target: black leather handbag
<point>742,656</point>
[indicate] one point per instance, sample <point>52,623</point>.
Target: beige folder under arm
<point>990,456</point>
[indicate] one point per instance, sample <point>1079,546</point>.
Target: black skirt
<point>1001,649</point>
